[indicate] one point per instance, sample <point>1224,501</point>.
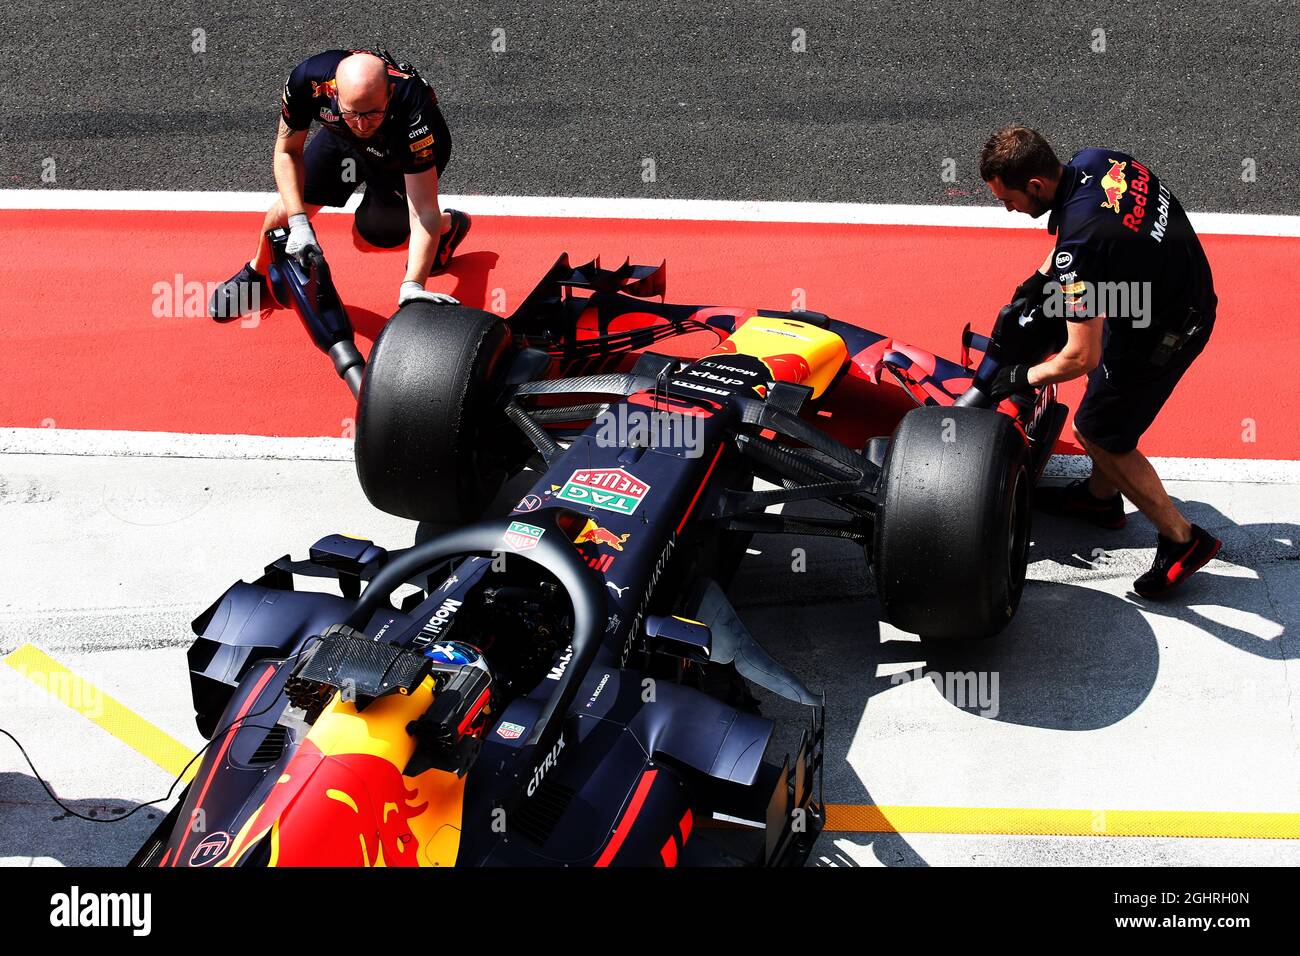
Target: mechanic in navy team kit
<point>381,126</point>
<point>1114,222</point>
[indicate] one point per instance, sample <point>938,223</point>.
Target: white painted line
<point>1254,471</point>
<point>597,207</point>
<point>144,200</point>
<point>129,444</point>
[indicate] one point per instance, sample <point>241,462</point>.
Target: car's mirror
<point>679,637</point>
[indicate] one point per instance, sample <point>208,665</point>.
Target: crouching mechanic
<point>381,126</point>
<point>1124,245</point>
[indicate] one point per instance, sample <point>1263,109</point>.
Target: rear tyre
<point>952,537</point>
<point>431,442</point>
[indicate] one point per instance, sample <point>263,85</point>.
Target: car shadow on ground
<point>1046,675</point>
<point>1078,656</point>
<point>27,836</point>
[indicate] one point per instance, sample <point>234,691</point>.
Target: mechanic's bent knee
<point>385,226</point>
<point>381,235</point>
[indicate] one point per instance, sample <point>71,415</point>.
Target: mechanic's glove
<point>301,238</point>
<point>1010,380</point>
<point>1032,289</point>
<point>414,292</point>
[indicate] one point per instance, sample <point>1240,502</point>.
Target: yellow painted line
<point>172,755</point>
<point>849,818</point>
<point>101,709</point>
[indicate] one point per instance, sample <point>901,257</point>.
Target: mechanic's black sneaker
<point>1076,501</point>
<point>1175,562</point>
<point>449,240</point>
<point>242,294</point>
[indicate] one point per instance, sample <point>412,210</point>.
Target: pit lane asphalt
<point>584,94</point>
<point>1102,701</point>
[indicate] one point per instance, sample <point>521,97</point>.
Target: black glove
<point>1010,380</point>
<point>1021,310</point>
<point>1032,290</point>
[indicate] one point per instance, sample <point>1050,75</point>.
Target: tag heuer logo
<point>510,731</point>
<point>522,537</point>
<point>612,489</point>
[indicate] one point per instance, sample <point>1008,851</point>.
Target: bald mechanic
<point>1118,229</point>
<point>381,126</point>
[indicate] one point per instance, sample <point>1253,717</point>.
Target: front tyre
<point>431,442</point>
<point>952,536</point>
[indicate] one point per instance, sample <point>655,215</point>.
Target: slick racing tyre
<point>430,435</point>
<point>952,536</point>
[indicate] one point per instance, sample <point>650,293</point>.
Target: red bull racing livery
<point>566,683</point>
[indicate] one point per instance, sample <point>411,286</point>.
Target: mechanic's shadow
<point>35,828</point>
<point>1209,600</point>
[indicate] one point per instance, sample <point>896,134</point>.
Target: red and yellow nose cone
<point>343,800</point>
<point>793,351</point>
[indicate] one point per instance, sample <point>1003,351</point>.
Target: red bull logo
<point>593,533</point>
<point>326,89</point>
<point>788,367</point>
<point>1141,192</point>
<point>336,810</point>
<point>1114,184</point>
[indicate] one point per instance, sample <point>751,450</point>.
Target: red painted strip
<point>669,852</point>
<point>473,711</point>
<point>165,856</point>
<point>686,824</point>
<point>700,490</point>
<point>227,737</point>
<point>84,346</point>
<point>629,817</point>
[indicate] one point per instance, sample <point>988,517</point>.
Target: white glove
<point>301,237</point>
<point>414,292</point>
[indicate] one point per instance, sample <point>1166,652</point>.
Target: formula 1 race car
<point>934,483</point>
<point>568,683</point>
<point>936,488</point>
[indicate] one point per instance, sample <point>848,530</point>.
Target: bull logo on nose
<point>337,810</point>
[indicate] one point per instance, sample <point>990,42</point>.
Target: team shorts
<point>1118,408</point>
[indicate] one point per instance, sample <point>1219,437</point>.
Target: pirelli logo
<point>420,144</point>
